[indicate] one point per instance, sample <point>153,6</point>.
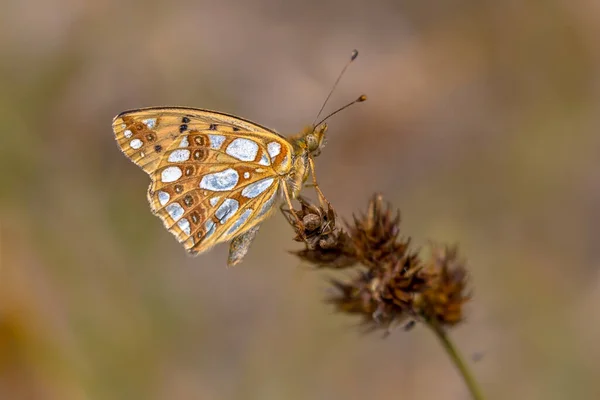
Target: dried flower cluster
<point>391,283</point>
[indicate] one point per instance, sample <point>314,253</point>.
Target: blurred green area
<point>481,125</point>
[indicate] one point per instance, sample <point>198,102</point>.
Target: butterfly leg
<point>289,215</point>
<point>322,198</point>
<point>288,199</point>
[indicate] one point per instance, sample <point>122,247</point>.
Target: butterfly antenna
<point>352,58</point>
<point>359,100</point>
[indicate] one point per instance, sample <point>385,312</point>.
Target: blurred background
<point>481,126</point>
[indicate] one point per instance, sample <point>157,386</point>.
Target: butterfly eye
<point>312,143</point>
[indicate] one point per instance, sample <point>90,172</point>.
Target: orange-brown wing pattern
<point>210,195</point>
<point>214,176</point>
<point>144,134</point>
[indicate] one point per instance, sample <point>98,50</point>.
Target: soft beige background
<point>482,125</point>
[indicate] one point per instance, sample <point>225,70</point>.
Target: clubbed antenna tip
<point>352,58</point>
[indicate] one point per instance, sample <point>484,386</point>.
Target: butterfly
<point>214,176</point>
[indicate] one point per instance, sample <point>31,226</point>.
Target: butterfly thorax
<point>307,143</point>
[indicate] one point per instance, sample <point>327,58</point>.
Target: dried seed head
<point>328,242</point>
<point>396,286</point>
<point>312,222</point>
<point>354,297</point>
<point>445,292</point>
<point>375,234</point>
<point>326,245</point>
<point>401,281</point>
<point>358,297</point>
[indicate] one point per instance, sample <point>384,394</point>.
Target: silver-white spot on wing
<point>163,197</point>
<point>135,143</point>
<point>243,149</point>
<point>227,209</point>
<point>220,181</point>
<point>240,221</point>
<point>184,142</point>
<point>264,160</point>
<point>170,174</point>
<point>274,149</point>
<point>179,155</point>
<point>216,141</point>
<point>150,122</point>
<point>175,210</point>
<point>184,225</point>
<point>214,200</point>
<point>268,204</point>
<point>210,227</point>
<point>256,188</point>
<point>127,133</point>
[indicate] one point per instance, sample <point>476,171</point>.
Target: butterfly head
<point>314,139</point>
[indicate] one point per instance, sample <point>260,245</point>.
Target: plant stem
<point>456,359</point>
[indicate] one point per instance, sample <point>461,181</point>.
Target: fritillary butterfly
<point>216,177</point>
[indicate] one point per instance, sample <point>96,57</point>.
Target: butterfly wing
<point>143,134</point>
<point>214,175</point>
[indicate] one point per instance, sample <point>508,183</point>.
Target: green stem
<point>456,359</point>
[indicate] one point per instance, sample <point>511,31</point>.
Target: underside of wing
<point>201,219</point>
<point>212,201</point>
<point>144,134</point>
<point>214,176</point>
